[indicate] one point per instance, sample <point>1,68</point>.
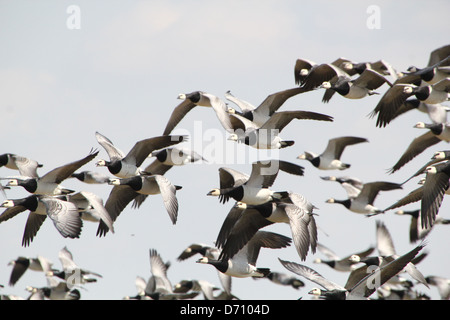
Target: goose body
<point>243,264</point>
<point>127,165</point>
<point>330,158</point>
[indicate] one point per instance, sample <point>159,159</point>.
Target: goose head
<point>214,192</point>
<point>7,204</point>
<point>326,85</point>
<point>101,163</point>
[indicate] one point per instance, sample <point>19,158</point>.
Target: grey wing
<point>311,275</point>
<point>382,275</point>
<point>390,102</point>
<point>299,222</point>
<point>231,178</point>
<point>242,104</point>
<point>433,193</point>
<point>142,149</point>
<point>263,174</point>
<point>242,232</point>
<point>32,226</point>
<point>228,224</point>
<point>177,115</point>
<point>27,167</point>
<point>11,212</point>
<point>438,55</point>
<point>221,111</point>
<point>371,80</point>
<point>416,147</point>
<point>66,259</point>
<point>113,152</point>
<point>168,193</point>
<point>118,199</point>
<point>385,244</point>
<point>281,119</point>
<point>370,190</point>
<point>61,173</point>
<point>263,239</point>
<point>65,217</point>
<point>98,209</point>
<point>159,272</point>
<point>413,196</point>
<point>275,100</point>
<point>336,146</point>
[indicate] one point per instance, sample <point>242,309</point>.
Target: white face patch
<point>7,204</point>
<point>12,182</point>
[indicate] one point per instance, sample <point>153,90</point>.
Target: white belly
<point>255,196</point>
<point>128,171</point>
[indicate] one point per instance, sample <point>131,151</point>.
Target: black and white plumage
<point>268,136</point>
<point>126,190</point>
<point>437,182</point>
<point>435,133</point>
<point>194,99</point>
<point>432,74</point>
<point>387,253</point>
<point>211,252</point>
<point>354,88</point>
<point>263,112</point>
<point>243,264</point>
<point>27,167</point>
<point>71,272</point>
<point>244,222</point>
<point>91,177</point>
<point>330,158</point>
<point>395,96</point>
<point>356,289</point>
<point>363,203</point>
<point>416,231</point>
<point>91,208</point>
<point>351,185</point>
<point>64,215</point>
<point>254,189</point>
<point>437,113</point>
<point>127,165</point>
<point>342,264</point>
<point>321,73</point>
<point>22,264</point>
<point>49,184</point>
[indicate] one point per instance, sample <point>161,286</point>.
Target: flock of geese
<point>256,205</point>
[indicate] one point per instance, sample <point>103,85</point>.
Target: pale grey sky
<point>120,74</point>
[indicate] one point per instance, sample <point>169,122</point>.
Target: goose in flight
<point>268,135</point>
<point>27,167</point>
<point>363,203</point>
<point>364,85</point>
<point>64,215</point>
<point>262,113</point>
<point>330,158</point>
<point>241,225</point>
<point>255,188</point>
<point>194,99</point>
<point>243,264</point>
<point>49,184</point>
<point>126,190</point>
<point>387,253</point>
<point>127,165</point>
<point>360,288</point>
<point>435,133</point>
<point>397,95</point>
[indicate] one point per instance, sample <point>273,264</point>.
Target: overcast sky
<point>71,68</point>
